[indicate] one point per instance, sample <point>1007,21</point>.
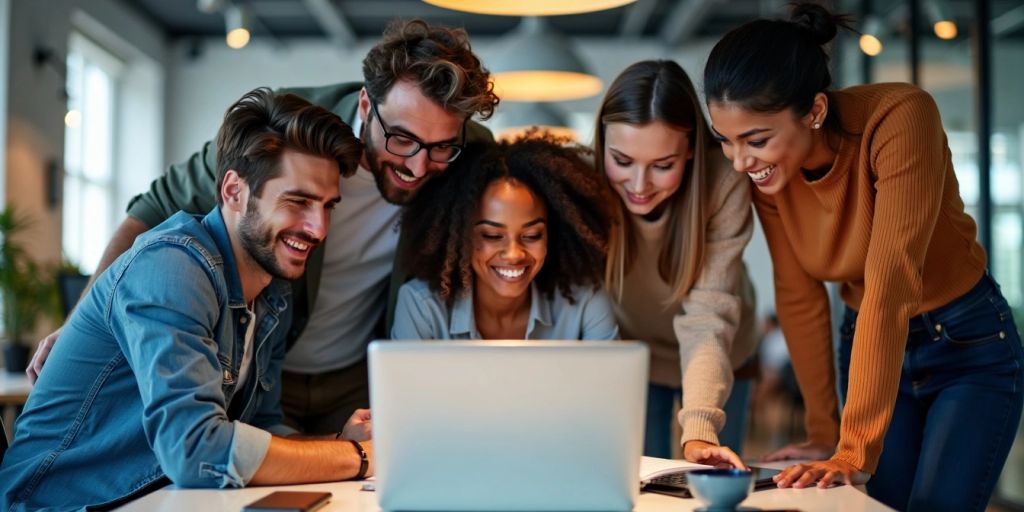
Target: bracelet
<point>364,461</point>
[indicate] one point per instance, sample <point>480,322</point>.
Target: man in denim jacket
<point>175,372</point>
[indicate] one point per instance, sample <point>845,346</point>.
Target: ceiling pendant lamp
<point>528,7</point>
<point>237,22</point>
<point>536,63</point>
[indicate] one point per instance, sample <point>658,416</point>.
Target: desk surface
<point>14,387</point>
<point>348,497</point>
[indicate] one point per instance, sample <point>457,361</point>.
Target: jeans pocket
<point>984,321</point>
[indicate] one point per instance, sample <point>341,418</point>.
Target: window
<point>89,180</point>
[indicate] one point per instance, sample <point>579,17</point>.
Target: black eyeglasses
<point>405,146</point>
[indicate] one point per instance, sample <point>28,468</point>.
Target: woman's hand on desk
<point>359,427</point>
<point>825,472</point>
<point>703,452</point>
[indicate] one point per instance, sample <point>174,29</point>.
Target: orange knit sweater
<point>887,222</point>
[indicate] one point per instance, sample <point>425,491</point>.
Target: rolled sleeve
<point>249,447</point>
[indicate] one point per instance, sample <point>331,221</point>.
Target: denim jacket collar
<point>274,294</point>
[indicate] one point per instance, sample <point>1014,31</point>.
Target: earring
<point>817,126</point>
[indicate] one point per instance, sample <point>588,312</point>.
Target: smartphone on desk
<point>289,501</point>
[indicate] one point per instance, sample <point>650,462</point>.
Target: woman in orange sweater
<point>857,186</point>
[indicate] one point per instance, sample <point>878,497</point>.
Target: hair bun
<point>817,20</point>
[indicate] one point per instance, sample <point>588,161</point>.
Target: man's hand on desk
<point>359,426</point>
<point>42,352</point>
<point>825,472</point>
<point>703,452</point>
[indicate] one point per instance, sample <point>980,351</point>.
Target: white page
<point>653,467</point>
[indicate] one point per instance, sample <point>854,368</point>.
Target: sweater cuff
<point>857,460</point>
<point>701,424</point>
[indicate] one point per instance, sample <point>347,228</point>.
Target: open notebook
<point>666,476</point>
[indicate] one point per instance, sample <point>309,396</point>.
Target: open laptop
<point>507,425</point>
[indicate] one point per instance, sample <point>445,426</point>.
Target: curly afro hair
<point>438,225</point>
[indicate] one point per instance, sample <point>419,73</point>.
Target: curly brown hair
<point>262,124</point>
<point>576,199</point>
<point>438,59</point>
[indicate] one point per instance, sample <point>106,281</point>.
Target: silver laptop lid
<point>507,425</point>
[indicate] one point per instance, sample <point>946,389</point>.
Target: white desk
<point>348,497</point>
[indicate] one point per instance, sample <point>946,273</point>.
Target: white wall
<point>35,122</point>
<point>32,125</point>
<point>5,28</point>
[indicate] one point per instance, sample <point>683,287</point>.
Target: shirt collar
<point>463,321</point>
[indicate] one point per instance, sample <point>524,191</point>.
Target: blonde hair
<point>648,91</point>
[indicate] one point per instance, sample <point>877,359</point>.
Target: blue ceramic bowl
<point>720,489</point>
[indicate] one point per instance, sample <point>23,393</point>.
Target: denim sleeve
<point>188,186</point>
<point>163,311</point>
<point>599,317</point>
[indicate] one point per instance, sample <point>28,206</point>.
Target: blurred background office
<point>97,97</point>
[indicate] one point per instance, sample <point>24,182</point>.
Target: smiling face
<point>771,148</point>
<point>645,164</point>
<point>510,240</point>
<point>408,116</point>
<point>281,227</point>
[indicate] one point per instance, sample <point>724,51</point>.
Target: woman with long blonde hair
<point>675,270</point>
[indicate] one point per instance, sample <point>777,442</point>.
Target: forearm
<point>293,461</point>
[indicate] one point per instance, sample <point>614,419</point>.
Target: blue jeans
<point>658,439</point>
<point>959,404</point>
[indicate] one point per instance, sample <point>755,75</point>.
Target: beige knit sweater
<point>697,344</point>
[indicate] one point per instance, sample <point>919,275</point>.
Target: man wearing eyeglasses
<point>422,85</point>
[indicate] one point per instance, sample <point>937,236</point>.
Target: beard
<point>380,169</point>
<point>257,240</point>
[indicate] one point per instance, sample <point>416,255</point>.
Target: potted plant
<point>27,292</point>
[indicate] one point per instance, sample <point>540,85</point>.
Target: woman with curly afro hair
<point>510,245</point>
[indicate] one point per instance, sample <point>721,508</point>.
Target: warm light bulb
<point>73,118</point>
<point>870,45</point>
<point>945,29</point>
<point>238,38</point>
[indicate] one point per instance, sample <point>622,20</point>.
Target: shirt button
<point>244,319</point>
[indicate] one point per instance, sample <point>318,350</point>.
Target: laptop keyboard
<point>670,479</point>
<point>672,484</point>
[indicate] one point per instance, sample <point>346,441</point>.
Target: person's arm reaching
<point>294,461</point>
<point>708,319</point>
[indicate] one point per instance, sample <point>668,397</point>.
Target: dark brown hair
<point>739,68</point>
<point>438,59</point>
<point>262,124</point>
<point>574,195</point>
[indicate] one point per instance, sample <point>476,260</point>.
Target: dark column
<point>914,43</point>
<point>983,99</point>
